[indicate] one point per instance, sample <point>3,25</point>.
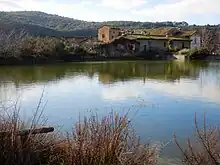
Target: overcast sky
<point>192,11</point>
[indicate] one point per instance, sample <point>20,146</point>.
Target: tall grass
<point>31,149</point>
<point>109,140</point>
<point>94,140</point>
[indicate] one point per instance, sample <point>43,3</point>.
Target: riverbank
<point>196,54</point>
<point>30,60</point>
<point>28,50</point>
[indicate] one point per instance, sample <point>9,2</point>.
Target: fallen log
<point>29,131</point>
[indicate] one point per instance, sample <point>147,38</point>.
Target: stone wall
<point>121,48</point>
<point>181,44</point>
<point>103,34</point>
<point>113,33</point>
<point>146,45</point>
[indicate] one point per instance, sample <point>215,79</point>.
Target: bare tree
<point>207,39</point>
<point>10,42</point>
<point>217,41</point>
<point>205,151</point>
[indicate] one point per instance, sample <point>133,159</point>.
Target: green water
<point>162,97</point>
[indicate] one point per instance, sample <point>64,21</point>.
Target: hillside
<point>43,24</point>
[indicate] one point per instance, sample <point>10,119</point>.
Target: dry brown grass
<point>23,150</point>
<point>205,150</point>
<point>106,141</point>
<point>94,141</point>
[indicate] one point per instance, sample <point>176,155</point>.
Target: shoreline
<point>66,59</point>
<point>75,58</point>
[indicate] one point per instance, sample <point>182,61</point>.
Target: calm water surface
<point>162,96</point>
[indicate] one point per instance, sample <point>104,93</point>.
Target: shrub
<point>14,45</point>
<point>80,51</point>
<point>184,52</point>
<point>109,141</point>
<point>205,151</point>
<point>10,43</point>
<point>94,141</point>
<point>21,150</point>
<point>197,54</point>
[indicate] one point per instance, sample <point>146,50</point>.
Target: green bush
<point>184,52</point>
<point>80,51</point>
<point>197,54</point>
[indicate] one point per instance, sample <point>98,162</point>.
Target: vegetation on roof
<point>153,31</point>
<point>158,38</point>
<point>163,31</point>
<point>188,33</point>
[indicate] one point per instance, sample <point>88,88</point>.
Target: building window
<point>165,44</point>
<point>103,35</point>
<point>145,48</point>
<point>195,41</point>
<point>149,43</point>
<point>183,45</point>
<point>112,37</point>
<point>171,44</point>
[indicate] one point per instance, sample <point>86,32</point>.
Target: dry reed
<point>106,141</point>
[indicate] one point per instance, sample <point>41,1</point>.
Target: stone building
<point>148,39</point>
<point>153,43</point>
<point>107,33</point>
<point>180,38</point>
<point>122,46</point>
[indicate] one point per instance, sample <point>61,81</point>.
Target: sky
<point>192,11</point>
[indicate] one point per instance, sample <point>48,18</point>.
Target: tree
<point>207,37</point>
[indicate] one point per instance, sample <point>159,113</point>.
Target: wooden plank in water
<point>30,131</point>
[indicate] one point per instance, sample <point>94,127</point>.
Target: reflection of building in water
<point>106,78</point>
<point>173,71</point>
<point>201,78</point>
<point>8,92</point>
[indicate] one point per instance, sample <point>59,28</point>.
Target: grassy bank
<point>198,54</point>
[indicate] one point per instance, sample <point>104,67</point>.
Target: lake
<point>162,97</point>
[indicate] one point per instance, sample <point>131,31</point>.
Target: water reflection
<point>108,72</point>
<point>171,91</point>
<point>198,79</point>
